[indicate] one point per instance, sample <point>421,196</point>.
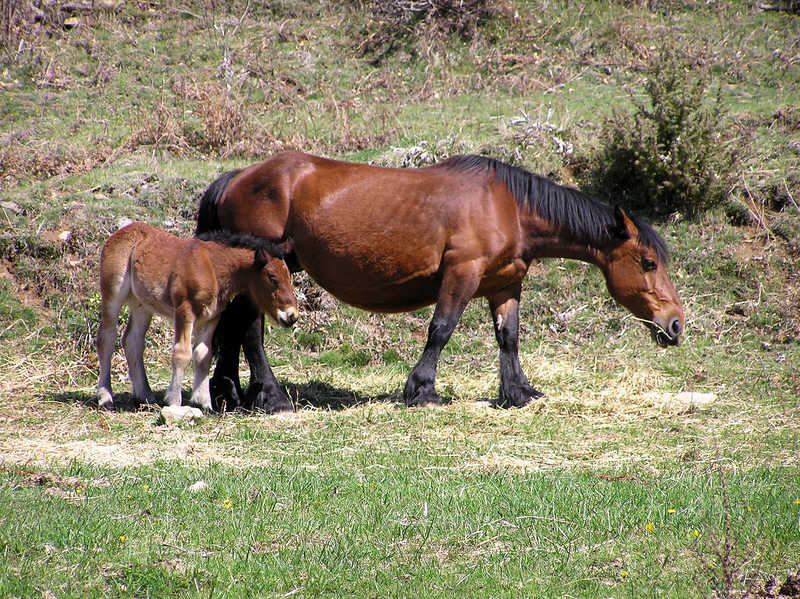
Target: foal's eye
<point>648,265</point>
<point>272,279</point>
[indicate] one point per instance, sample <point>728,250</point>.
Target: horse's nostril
<point>675,327</point>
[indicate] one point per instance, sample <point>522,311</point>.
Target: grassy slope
<point>132,113</point>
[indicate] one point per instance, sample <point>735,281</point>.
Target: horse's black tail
<point>207,217</point>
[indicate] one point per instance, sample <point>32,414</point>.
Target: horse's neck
<point>544,240</point>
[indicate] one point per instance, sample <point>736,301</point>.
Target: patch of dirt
<point>62,487</point>
<point>24,292</point>
<point>775,589</point>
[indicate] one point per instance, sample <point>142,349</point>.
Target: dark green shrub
<point>671,153</point>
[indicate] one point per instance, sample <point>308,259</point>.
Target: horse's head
<point>271,288</point>
<point>636,276</point>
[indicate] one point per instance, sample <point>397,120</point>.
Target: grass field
<point>642,472</point>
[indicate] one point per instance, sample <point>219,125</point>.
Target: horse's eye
<point>648,265</point>
<point>272,279</point>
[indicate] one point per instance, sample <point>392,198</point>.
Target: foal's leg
<point>201,357</point>
<point>181,352</point>
<point>106,337</point>
<point>133,343</point>
<point>458,286</point>
<point>515,390</point>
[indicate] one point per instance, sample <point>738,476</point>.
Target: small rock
<point>693,398</point>
<point>64,236</point>
<point>200,485</point>
<point>123,222</point>
<point>173,414</point>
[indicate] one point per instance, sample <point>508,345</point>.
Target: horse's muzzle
<point>669,335</point>
<point>288,317</point>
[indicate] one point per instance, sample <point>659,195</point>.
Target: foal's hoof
<point>517,397</point>
<point>267,399</point>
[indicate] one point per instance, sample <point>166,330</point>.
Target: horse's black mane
<point>243,240</point>
<point>583,216</point>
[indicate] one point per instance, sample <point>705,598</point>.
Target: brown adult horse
<point>189,281</point>
<point>393,240</point>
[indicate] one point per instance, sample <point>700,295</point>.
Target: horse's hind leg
<point>133,343</point>
<point>458,286</point>
<point>181,352</point>
<point>515,390</point>
<point>106,337</point>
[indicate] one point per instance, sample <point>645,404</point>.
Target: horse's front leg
<point>515,390</point>
<point>264,393</point>
<point>201,358</point>
<point>181,352</point>
<point>458,286</point>
<point>225,389</point>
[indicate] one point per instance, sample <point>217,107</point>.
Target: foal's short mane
<point>243,240</point>
<point>583,216</point>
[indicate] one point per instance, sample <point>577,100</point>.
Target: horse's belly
<point>378,281</point>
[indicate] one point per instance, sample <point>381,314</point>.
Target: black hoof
<point>422,397</point>
<point>225,394</point>
<point>266,399</point>
<point>517,396</point>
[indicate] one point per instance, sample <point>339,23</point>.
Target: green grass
<point>399,522</point>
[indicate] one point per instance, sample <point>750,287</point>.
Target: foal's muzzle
<point>287,317</point>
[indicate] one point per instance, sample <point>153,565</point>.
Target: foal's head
<point>270,286</point>
<point>636,276</point>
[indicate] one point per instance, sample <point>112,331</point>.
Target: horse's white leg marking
<point>181,354</point>
<point>201,394</point>
<point>133,343</point>
<point>106,336</point>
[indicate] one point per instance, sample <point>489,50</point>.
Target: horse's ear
<point>260,259</point>
<point>623,227</point>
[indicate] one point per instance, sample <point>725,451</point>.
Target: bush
<point>671,154</point>
<point>405,24</point>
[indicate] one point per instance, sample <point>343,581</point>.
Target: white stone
<point>173,414</point>
<point>200,485</point>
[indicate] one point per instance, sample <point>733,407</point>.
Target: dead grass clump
<point>417,27</point>
<point>162,128</point>
<point>23,158</point>
<point>218,123</point>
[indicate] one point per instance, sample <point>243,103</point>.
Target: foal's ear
<point>286,247</point>
<point>623,228</point>
<point>260,258</point>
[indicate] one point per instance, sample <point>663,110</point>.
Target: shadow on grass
<point>322,395</point>
<point>316,394</point>
<point>123,402</point>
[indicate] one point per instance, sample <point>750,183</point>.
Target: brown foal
<point>189,281</point>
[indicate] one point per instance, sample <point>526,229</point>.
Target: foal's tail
<point>207,216</point>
